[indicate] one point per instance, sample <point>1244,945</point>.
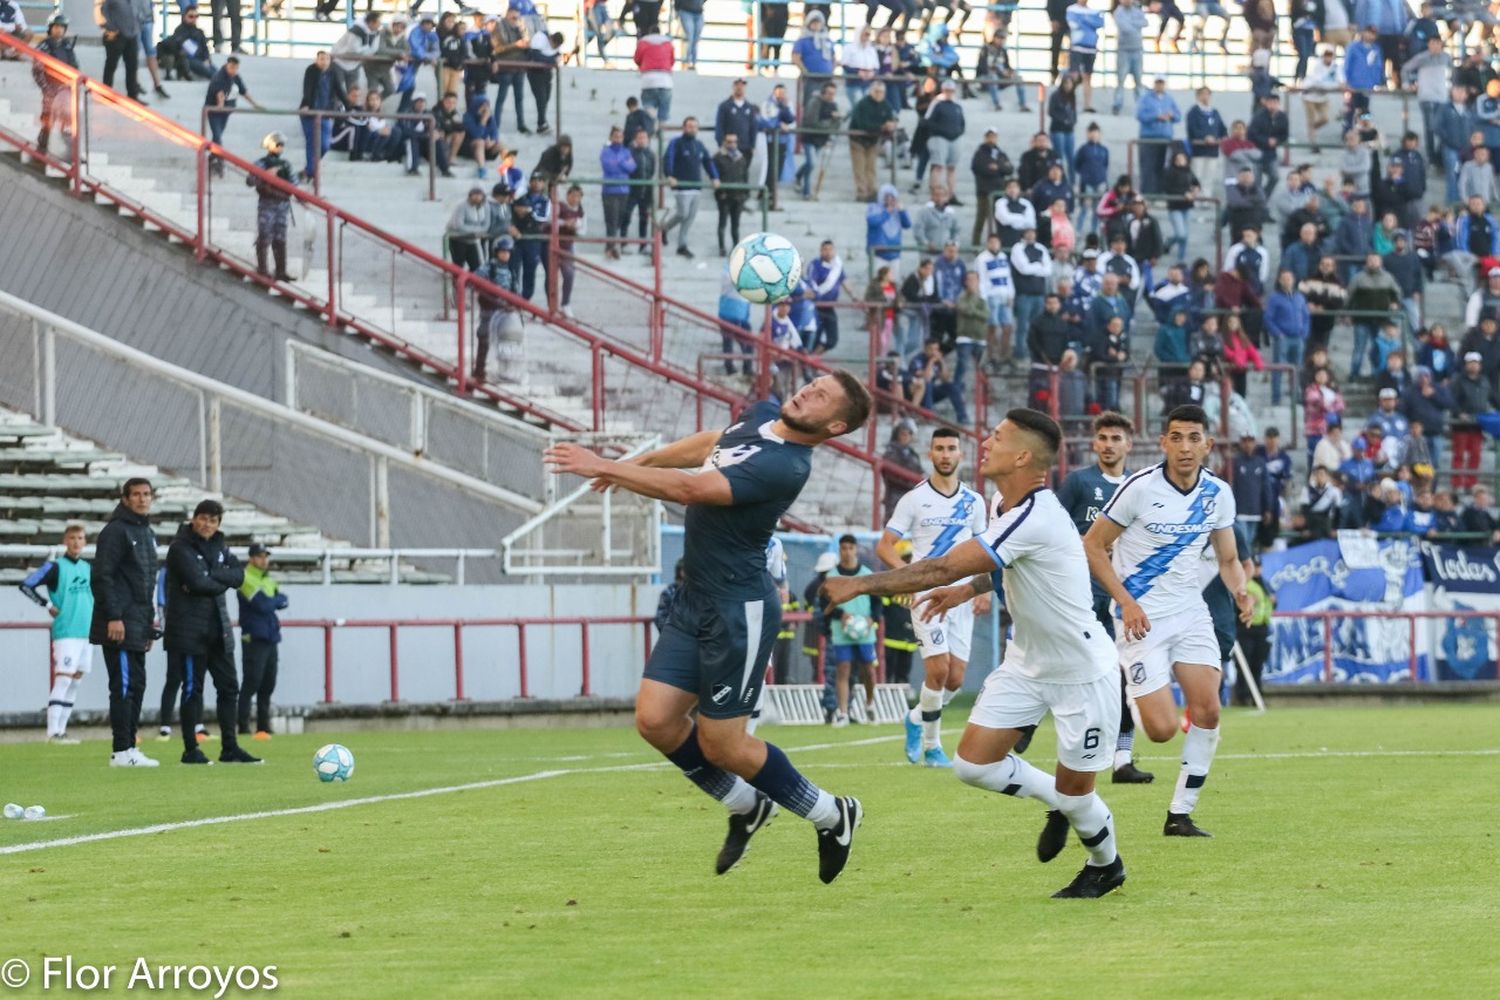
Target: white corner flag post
<point>1244,668</point>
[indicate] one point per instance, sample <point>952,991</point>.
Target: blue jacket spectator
<point>883,225</point>
<point>1461,234</point>
<point>1091,163</point>
<point>1287,315</point>
<point>1419,522</point>
<point>1353,238</point>
<point>737,118</point>
<point>1084,26</point>
<point>1171,347</point>
<point>1205,123</point>
<point>617,165</point>
<point>1391,520</point>
<point>1388,17</point>
<point>1455,123</point>
<point>424,45</point>
<point>949,277</point>
<point>1147,110</point>
<point>937,51</point>
<point>1300,259</point>
<point>474,129</point>
<point>1047,191</point>
<point>815,50</point>
<point>687,160</point>
<point>1364,65</point>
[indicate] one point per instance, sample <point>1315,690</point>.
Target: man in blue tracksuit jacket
<point>685,164</point>
<point>1158,114</point>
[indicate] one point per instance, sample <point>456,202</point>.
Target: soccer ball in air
<point>765,267</point>
<point>334,763</point>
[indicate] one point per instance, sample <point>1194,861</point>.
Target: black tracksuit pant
<point>195,668</point>
<point>260,681</point>
<point>127,683</point>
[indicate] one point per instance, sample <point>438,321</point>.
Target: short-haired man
<point>70,602</point>
<point>199,639</point>
<point>743,479</point>
<point>939,513</point>
<point>1059,660</point>
<point>260,635</point>
<point>852,630</point>
<point>123,623</point>
<point>1145,550</point>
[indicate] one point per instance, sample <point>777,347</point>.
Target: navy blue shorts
<point>717,648</point>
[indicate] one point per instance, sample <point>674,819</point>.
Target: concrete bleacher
<point>49,479</point>
<point>591,100</point>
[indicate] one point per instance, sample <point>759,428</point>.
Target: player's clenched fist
<point>839,589</point>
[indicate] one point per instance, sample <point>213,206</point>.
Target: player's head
<point>1112,433</point>
<point>1187,439</point>
<point>828,406</point>
<point>74,539</point>
<point>1026,440</point>
<point>206,518</point>
<point>848,551</point>
<point>137,495</point>
<point>945,453</point>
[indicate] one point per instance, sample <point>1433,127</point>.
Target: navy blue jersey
<point>1083,495</point>
<point>724,547</point>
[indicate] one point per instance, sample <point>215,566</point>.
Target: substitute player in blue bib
<point>1083,494</point>
<point>712,653</point>
<point>1145,548</point>
<point>70,601</point>
<point>936,515</point>
<point>1058,660</point>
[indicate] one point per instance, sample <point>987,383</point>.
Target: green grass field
<point>1355,854</point>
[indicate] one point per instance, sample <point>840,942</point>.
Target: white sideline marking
<point>141,831</point>
<point>422,793</point>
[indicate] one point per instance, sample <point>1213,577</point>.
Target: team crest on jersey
<point>1138,673</point>
<point>722,458</point>
<point>1208,503</point>
<point>1098,493</point>
<point>721,694</point>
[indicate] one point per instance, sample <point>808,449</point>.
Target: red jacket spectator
<point>654,53</point>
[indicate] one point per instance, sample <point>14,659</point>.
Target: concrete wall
<point>361,656</point>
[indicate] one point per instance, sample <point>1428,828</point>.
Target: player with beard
<point>721,630</point>
<point>937,514</point>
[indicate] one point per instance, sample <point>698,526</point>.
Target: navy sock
<point>789,789</point>
<point>696,768</point>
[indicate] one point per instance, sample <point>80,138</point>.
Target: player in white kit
<point>1059,658</point>
<point>937,514</point>
<point>1156,524</point>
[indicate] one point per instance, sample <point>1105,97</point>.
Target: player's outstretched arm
<point>960,562</point>
<point>673,485</point>
<point>686,453</point>
<point>885,549</point>
<point>1232,571</point>
<point>1102,534</point>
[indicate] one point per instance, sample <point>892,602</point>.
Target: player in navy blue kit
<point>1083,495</point>
<point>711,654</point>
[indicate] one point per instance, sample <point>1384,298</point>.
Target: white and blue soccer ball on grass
<point>764,267</point>
<point>333,762</point>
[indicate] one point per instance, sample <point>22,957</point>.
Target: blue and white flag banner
<point>1366,649</point>
<point>1463,579</point>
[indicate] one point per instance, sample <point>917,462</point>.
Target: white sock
<point>59,705</point>
<point>824,815</point>
<point>928,711</point>
<point>1123,757</point>
<point>1197,756</point>
<point>1010,776</point>
<point>1090,818</point>
<point>948,696</point>
<point>741,798</point>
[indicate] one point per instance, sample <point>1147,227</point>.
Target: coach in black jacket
<point>123,624</point>
<point>200,571</point>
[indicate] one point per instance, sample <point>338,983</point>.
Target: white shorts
<point>1087,715</point>
<point>952,635</point>
<point>72,656</point>
<point>1186,637</point>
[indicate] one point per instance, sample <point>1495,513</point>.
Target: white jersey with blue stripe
<point>1165,529</point>
<point>1056,637</point>
<point>935,522</point>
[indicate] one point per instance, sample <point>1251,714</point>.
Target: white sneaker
<point>840,721</point>
<point>63,740</point>
<point>131,758</point>
<point>869,711</point>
